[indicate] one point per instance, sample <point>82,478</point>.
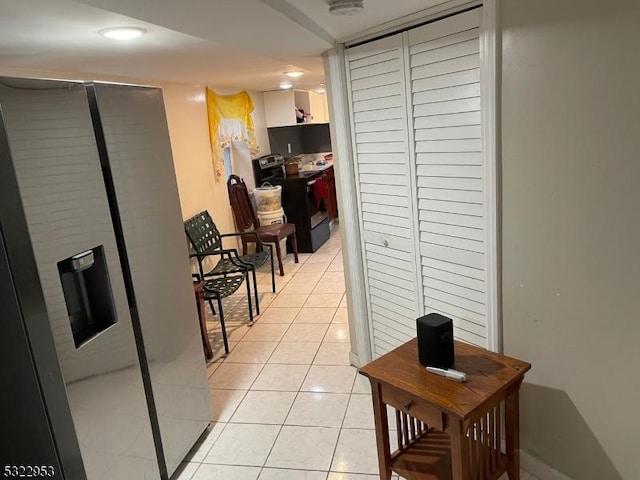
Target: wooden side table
<point>199,293</point>
<point>445,429</point>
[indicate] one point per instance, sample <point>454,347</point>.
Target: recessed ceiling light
<point>320,90</point>
<point>294,74</point>
<point>122,33</point>
<point>286,85</point>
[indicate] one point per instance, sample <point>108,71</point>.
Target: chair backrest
<point>203,233</point>
<point>240,202</point>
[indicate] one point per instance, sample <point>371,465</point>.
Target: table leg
<point>208,353</point>
<point>459,450</point>
<point>382,432</point>
<point>512,432</point>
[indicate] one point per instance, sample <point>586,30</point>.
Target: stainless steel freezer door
<point>139,152</point>
<point>53,148</point>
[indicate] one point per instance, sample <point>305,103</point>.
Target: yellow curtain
<point>229,121</point>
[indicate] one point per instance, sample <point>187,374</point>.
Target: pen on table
<point>454,375</point>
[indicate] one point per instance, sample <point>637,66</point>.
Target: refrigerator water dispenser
<point>87,293</point>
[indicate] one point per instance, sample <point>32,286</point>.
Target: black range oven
<point>268,168</point>
<point>316,209</point>
<point>302,208</point>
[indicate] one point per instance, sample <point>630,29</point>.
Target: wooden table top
<point>488,375</point>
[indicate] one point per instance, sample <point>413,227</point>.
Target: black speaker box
<point>435,341</point>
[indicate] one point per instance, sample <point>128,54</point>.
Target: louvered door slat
<point>447,120</point>
<point>382,147</point>
<point>449,133</point>
<point>425,45</point>
<point>390,180</point>
<point>446,52</point>
<point>447,93</point>
<point>378,103</point>
<point>380,125</point>
<point>383,228</point>
<point>476,222</point>
<point>406,285</point>
<point>444,194</point>
<point>464,77</point>
<point>386,219</point>
<point>390,113</point>
<point>372,200</point>
<point>375,137</point>
<point>390,289</point>
<point>453,266</point>
<point>445,206</point>
<point>392,211</point>
<point>379,92</point>
<point>384,158</point>
<point>453,278</point>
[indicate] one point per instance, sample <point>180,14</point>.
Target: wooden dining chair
<point>247,222</point>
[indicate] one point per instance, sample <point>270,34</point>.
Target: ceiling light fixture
<point>345,7</point>
<point>286,85</point>
<point>122,33</point>
<point>294,74</point>
<point>320,90</point>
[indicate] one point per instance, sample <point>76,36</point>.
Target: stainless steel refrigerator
<point>103,366</point>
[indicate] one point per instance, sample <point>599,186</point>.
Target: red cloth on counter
<point>320,192</point>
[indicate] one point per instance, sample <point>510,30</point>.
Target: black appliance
<point>268,168</point>
<point>435,341</point>
<point>317,210</point>
<point>101,359</point>
<point>302,209</point>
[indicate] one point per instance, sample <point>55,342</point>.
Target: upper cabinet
<point>280,107</point>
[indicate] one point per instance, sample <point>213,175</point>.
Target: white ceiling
<point>376,12</point>
<point>235,43</point>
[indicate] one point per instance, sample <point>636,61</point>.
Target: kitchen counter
<point>306,172</point>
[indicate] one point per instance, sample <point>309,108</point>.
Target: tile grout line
<point>335,448</point>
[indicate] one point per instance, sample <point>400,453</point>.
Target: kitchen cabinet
<point>287,141</point>
<point>302,138</point>
<point>332,202</point>
<point>313,103</point>
<point>280,107</point>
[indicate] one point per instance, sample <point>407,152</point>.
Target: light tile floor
<point>287,404</point>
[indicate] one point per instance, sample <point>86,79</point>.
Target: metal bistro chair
<point>217,288</point>
<point>251,231</point>
<point>205,237</point>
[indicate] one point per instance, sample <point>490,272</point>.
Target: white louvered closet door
<point>444,62</point>
<point>376,79</point>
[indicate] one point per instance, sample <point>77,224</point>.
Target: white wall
<point>189,132</point>
<point>571,229</point>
